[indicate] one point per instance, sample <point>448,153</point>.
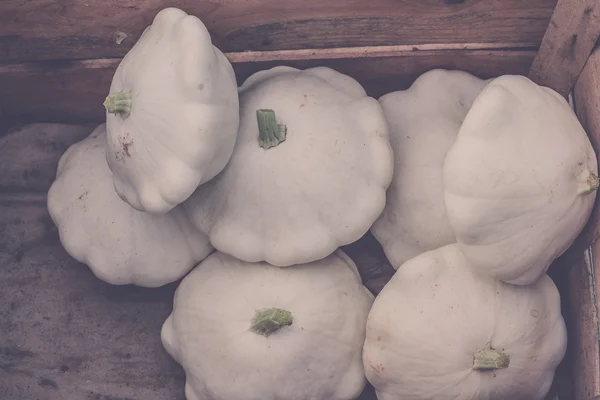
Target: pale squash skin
<point>183,116</point>
<point>119,244</point>
<point>321,188</point>
<point>436,313</point>
<point>317,357</point>
<point>515,180</point>
<point>424,121</point>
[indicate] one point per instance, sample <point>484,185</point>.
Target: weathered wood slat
<point>584,281</point>
<point>587,98</point>
<point>65,335</point>
<point>567,44</point>
<point>35,30</point>
<point>73,91</point>
<point>587,105</point>
<point>585,295</point>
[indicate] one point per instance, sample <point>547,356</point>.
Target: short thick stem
<point>268,321</point>
<point>588,182</point>
<point>270,133</point>
<point>489,359</point>
<point>118,103</point>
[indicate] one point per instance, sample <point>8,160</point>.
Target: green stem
<point>588,182</point>
<point>270,320</point>
<point>270,133</point>
<point>489,359</point>
<point>118,103</point>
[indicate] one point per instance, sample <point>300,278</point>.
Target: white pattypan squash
<point>119,244</point>
<point>308,173</point>
<point>440,331</point>
<point>519,181</point>
<point>424,121</point>
<point>252,331</point>
<point>172,113</point>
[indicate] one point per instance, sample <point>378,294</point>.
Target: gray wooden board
<point>65,335</point>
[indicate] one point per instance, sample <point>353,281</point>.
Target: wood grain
<point>73,91</point>
<point>584,326</point>
<point>585,296</point>
<point>587,106</point>
<point>567,44</point>
<point>32,30</point>
<point>65,335</point>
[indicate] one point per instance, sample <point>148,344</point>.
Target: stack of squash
<point>472,188</point>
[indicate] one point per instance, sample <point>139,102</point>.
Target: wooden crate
<point>66,335</point>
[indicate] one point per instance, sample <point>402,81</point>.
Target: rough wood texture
<point>73,91</point>
<point>583,280</point>
<point>568,42</point>
<point>65,335</point>
<point>585,296</point>
<point>34,30</point>
<point>587,107</point>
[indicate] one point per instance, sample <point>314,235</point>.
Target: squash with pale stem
<point>308,173</point>
<point>520,181</point>
<point>281,333</point>
<point>172,113</point>
<point>424,121</point>
<point>120,244</point>
<point>439,330</point>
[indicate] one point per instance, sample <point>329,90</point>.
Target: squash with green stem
<point>308,173</point>
<point>172,114</point>
<point>520,181</point>
<point>281,333</point>
<point>439,330</point>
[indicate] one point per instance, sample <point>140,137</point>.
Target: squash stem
<point>588,182</point>
<point>489,359</point>
<point>270,133</point>
<point>118,103</point>
<point>270,320</point>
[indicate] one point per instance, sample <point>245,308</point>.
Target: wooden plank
<point>33,30</point>
<point>585,276</point>
<point>567,44</point>
<point>587,98</point>
<point>73,91</point>
<point>587,106</point>
<point>65,335</point>
<point>583,280</point>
